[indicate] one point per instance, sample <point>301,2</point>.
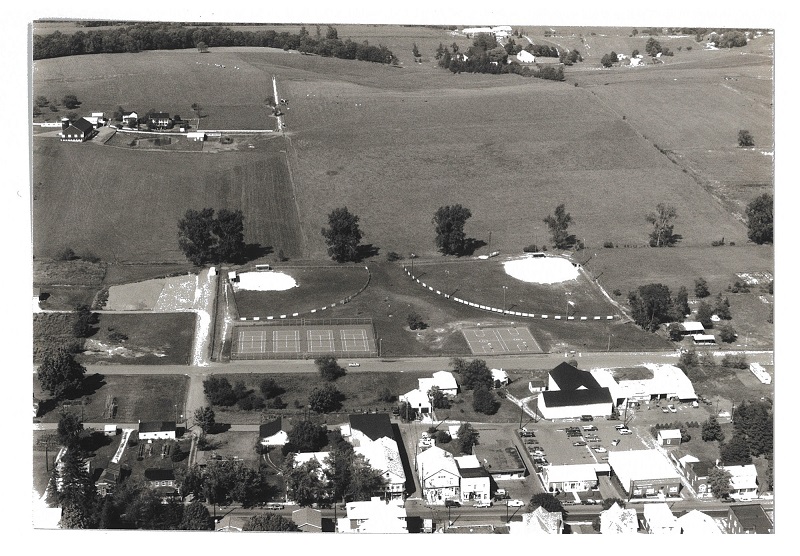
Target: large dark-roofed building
<point>749,519</point>
<point>373,425</point>
<point>572,393</point>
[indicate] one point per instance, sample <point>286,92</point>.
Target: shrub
<point>718,243</point>
<point>117,337</point>
<point>727,334</point>
<point>608,244</point>
<point>443,437</point>
<point>66,254</point>
<point>391,256</point>
<point>415,322</point>
<point>386,395</point>
<point>735,361</point>
<point>701,288</point>
<point>617,292</point>
<point>532,248</point>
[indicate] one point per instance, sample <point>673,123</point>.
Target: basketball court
<point>496,341</point>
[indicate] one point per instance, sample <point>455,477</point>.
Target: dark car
<point>452,504</point>
<point>587,418</point>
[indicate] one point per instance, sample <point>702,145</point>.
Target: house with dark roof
<point>749,519</point>
<point>571,393</point>
<point>272,433</point>
<point>475,481</point>
<point>308,520</point>
<point>372,436</point>
<point>499,456</point>
<point>160,478</point>
<point>697,474</point>
<point>76,132</point>
<point>157,430</point>
<point>371,425</point>
<point>108,480</point>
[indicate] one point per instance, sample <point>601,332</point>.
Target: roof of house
<point>752,517</point>
<point>563,398</point>
<point>384,455</point>
<point>696,521</point>
<point>157,426</point>
<point>690,326</point>
<point>82,124</point>
<point>470,468</point>
<point>269,429</point>
<point>742,476</point>
<point>159,115</point>
<point>700,468</point>
<point>576,472</point>
<point>538,521</point>
<point>307,516</point>
<point>617,519</point>
<point>155,474</point>
<point>658,515</point>
<point>669,433</point>
<point>444,380</point>
<point>568,377</point>
<point>499,374</point>
<point>373,425</point>
<point>433,460</point>
<point>416,398</point>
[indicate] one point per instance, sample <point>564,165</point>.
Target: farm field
<point>145,397</point>
<point>84,183</point>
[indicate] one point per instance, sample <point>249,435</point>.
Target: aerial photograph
<point>468,276</point>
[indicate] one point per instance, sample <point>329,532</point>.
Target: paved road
<point>400,364</point>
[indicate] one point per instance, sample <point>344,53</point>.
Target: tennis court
<point>488,341</point>
<point>287,341</point>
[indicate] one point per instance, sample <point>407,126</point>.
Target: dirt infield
<point>302,341</point>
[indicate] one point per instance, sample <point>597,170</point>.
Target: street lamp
<point>504,298</point>
<point>380,345</point>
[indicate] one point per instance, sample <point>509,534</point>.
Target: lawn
<point>318,286</point>
<point>51,330</point>
<point>138,397</point>
<point>152,339</point>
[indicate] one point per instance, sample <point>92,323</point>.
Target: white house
<point>438,474</point>
<point>196,136</point>
<point>538,522</point>
<point>371,435</point>
<point>525,57</point>
<point>499,376</point>
<point>444,380</point>
<point>157,430</point>
<point>417,399</point>
<point>696,522</point>
<point>744,481</point>
<point>658,519</point>
<point>375,516</point>
<point>617,520</point>
<point>475,482</point>
<point>474,31</point>
<point>272,433</point>
<point>131,119</point>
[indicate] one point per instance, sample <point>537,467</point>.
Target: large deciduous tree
<point>70,429</point>
<point>304,483</point>
<point>306,436</point>
<point>719,481</point>
<point>204,238</point>
<point>651,305</point>
<point>759,219</point>
<point>329,368</point>
<point>474,374</point>
<point>736,451</point>
<point>467,438</point>
<point>483,401</point>
<point>662,221</point>
<point>558,222</point>
<point>324,399</point>
<point>449,224</point>
<point>205,419</point>
<point>60,374</point>
<point>196,518</point>
<point>342,235</point>
<point>547,501</point>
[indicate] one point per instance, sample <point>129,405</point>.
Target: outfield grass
<point>139,397</point>
<point>318,287</point>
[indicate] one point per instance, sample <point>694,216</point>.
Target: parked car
<point>273,506</point>
<point>452,504</point>
<point>600,450</point>
<point>672,408</point>
<point>579,443</point>
<point>695,404</point>
<point>615,441</point>
<point>354,364</point>
<point>589,428</point>
<point>515,503</point>
<point>624,431</point>
<point>527,434</point>
<point>664,410</point>
<point>487,504</point>
<point>620,426</point>
<point>587,418</point>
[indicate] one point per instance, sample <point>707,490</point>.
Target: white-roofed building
<point>383,454</point>
<point>475,482</point>
<point>375,516</point>
<point>304,457</point>
<point>474,31</point>
<point>696,522</point>
<point>668,381</point>
<point>744,481</point>
<point>704,339</point>
<point>439,477</point>
<point>669,438</point>
<point>690,328</point>
<point>658,519</point>
<point>617,520</point>
<point>573,478</point>
<point>644,473</point>
<point>444,380</point>
<point>525,57</point>
<point>538,522</point>
<point>418,400</point>
<point>760,373</point>
<point>500,377</point>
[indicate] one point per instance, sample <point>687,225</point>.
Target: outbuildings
<point>157,430</point>
<point>669,438</point>
<point>272,433</point>
<point>76,132</point>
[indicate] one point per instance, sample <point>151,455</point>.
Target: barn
<point>157,430</point>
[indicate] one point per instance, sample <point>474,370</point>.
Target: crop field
<point>317,287</point>
<point>85,184</point>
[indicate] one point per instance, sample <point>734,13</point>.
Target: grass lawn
<point>317,287</point>
<point>153,339</point>
<point>51,330</point>
<point>138,397</point>
<point>239,444</point>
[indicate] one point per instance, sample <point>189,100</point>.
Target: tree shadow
<point>91,384</point>
<point>219,428</point>
<point>365,252</point>
<point>253,251</point>
<point>471,245</point>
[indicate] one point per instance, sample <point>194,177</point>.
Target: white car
<point>624,431</point>
<point>354,364</point>
<point>600,450</point>
<point>487,504</point>
<point>515,503</point>
<point>672,408</point>
<point>618,427</point>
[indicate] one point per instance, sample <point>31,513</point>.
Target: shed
<point>704,339</point>
<point>196,136</point>
<point>110,430</point>
<point>690,328</point>
<point>669,437</point>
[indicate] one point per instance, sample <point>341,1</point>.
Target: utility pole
<point>504,298</point>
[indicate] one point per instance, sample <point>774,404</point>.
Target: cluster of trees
<point>729,39</point>
<point>269,521</point>
<point>609,59</point>
<point>204,238</point>
<point>345,476</point>
<point>569,57</point>
<point>486,56</point>
<point>306,436</point>
<point>654,48</point>
<point>175,36</point>
<point>59,373</point>
<point>543,50</point>
<point>221,482</point>
<point>467,438</point>
<point>325,398</point>
<point>662,221</point>
<point>760,219</point>
<point>477,377</point>
<point>651,305</point>
<point>220,392</point>
<point>329,368</point>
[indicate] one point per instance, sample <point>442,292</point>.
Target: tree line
<point>139,37</point>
